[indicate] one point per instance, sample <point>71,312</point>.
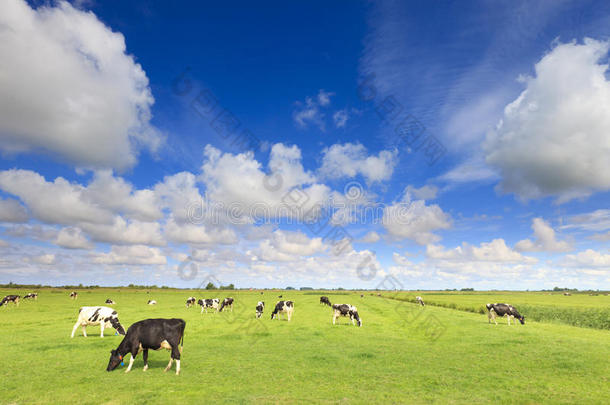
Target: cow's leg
<point>145,358</point>
<point>74,328</point>
<point>334,318</point>
<point>131,360</point>
<point>102,326</point>
<point>169,365</point>
<point>84,330</point>
<point>176,356</point>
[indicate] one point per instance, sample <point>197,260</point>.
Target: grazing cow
<point>227,302</point>
<point>74,295</point>
<point>361,295</point>
<point>280,296</point>
<point>506,310</point>
<point>567,294</point>
<point>152,302</point>
<point>190,302</point>
<point>10,298</point>
<point>283,307</point>
<point>33,296</point>
<point>110,302</point>
<point>260,307</point>
<point>208,303</point>
<point>325,300</point>
<point>420,301</point>
<point>150,334</point>
<point>346,310</point>
<point>103,316</point>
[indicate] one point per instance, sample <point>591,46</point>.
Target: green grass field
<point>402,354</point>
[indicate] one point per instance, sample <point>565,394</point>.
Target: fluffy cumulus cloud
<point>370,237</point>
<point>415,220</point>
<point>494,251</point>
<point>553,139</point>
<point>70,89</point>
<point>544,239</point>
<point>589,258</point>
<point>12,211</point>
<point>351,159</point>
<point>288,246</point>
<point>130,255</point>
<point>72,238</point>
<point>244,189</point>
<point>340,118</point>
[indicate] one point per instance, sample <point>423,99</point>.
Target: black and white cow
<point>103,316</point>
<point>110,302</point>
<point>190,302</point>
<point>420,301</point>
<point>152,302</point>
<point>346,310</point>
<point>208,303</point>
<point>283,307</point>
<point>227,302</point>
<point>74,295</point>
<point>325,300</point>
<point>10,298</point>
<point>32,296</point>
<point>506,310</point>
<point>260,307</point>
<point>148,334</point>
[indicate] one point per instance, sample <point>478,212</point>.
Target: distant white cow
<point>420,301</point>
<point>260,307</point>
<point>348,311</point>
<point>103,316</point>
<point>208,303</point>
<point>152,302</point>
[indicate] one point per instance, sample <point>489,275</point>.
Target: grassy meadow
<point>402,353</point>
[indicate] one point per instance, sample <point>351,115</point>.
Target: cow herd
<point>168,334</point>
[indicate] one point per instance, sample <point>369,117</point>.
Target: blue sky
<point>435,145</point>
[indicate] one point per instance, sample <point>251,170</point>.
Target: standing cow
<point>152,302</point>
<point>74,295</point>
<point>10,298</point>
<point>32,296</point>
<point>260,307</point>
<point>346,310</point>
<point>208,303</point>
<point>420,301</point>
<point>325,300</point>
<point>283,307</point>
<point>190,302</point>
<point>227,302</point>
<point>110,302</point>
<point>506,310</point>
<point>148,334</point>
<point>103,316</point>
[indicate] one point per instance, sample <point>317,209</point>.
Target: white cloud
<point>340,118</point>
<point>134,255</point>
<point>415,220</point>
<point>349,160</point>
<point>46,259</point>
<point>70,89</point>
<point>471,170</point>
<point>545,240</point>
<point>198,234</point>
<point>12,211</point>
<point>122,232</point>
<point>422,193</point>
<point>240,184</point>
<point>370,237</point>
<point>494,251</point>
<point>309,112</point>
<point>72,238</point>
<point>588,258</point>
<point>553,139</point>
<point>289,246</point>
<point>598,220</point>
<point>58,202</point>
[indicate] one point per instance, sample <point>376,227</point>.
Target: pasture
<point>402,353</point>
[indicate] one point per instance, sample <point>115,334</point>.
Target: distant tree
<point>306,288</point>
<point>210,286</point>
<point>290,288</point>
<point>467,289</point>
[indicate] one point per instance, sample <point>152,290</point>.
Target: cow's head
<point>117,325</point>
<point>521,319</point>
<point>115,360</point>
